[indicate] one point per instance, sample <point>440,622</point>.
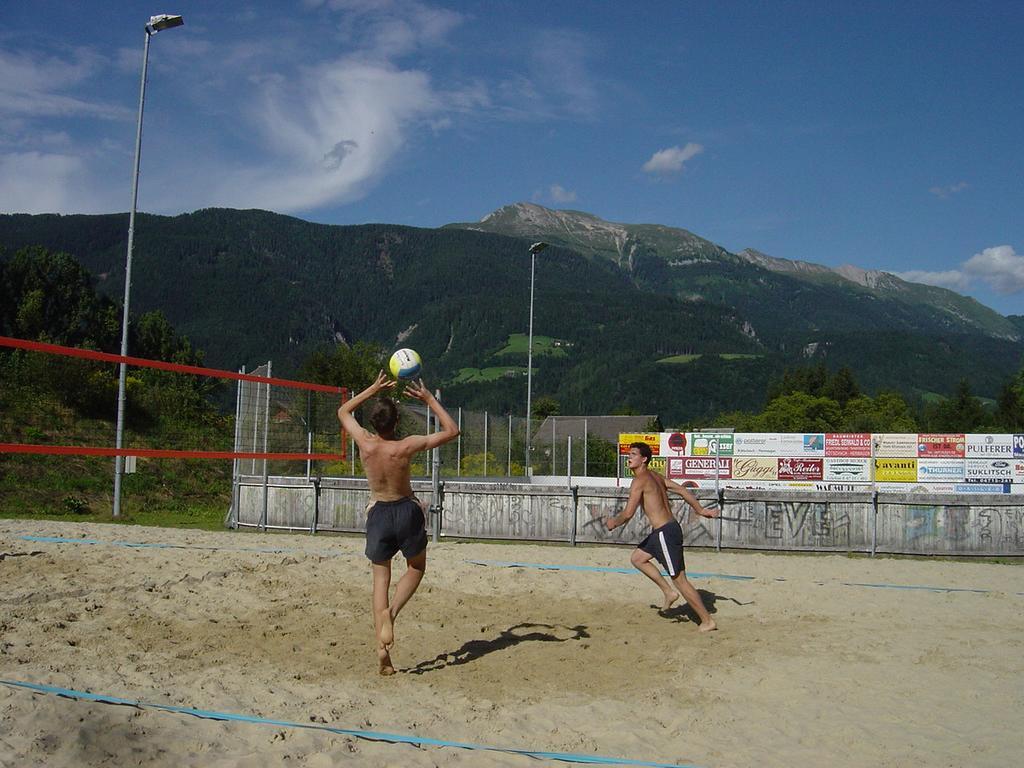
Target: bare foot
<point>708,626</point>
<point>670,600</point>
<point>384,660</point>
<point>387,628</point>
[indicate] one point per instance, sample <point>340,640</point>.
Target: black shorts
<point>395,525</point>
<point>666,545</point>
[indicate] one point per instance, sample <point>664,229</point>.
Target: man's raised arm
<point>348,408</point>
<point>449,428</point>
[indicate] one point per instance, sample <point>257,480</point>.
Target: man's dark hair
<point>384,415</point>
<point>645,451</point>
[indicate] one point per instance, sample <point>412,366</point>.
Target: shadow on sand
<point>681,611</point>
<point>520,633</point>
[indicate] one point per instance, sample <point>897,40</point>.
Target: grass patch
<point>518,344</point>
<point>679,359</point>
<point>468,375</point>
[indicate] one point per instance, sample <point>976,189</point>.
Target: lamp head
<point>163,21</point>
<point>538,247</point>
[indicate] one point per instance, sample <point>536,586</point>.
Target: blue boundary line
<point>390,738</point>
<point>599,569</point>
<point>605,569</point>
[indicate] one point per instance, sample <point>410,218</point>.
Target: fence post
<point>553,470</point>
<point>568,460</point>
<point>575,512</point>
<point>874,522</point>
<point>586,467</point>
<point>485,443</point>
<point>509,472</point>
<point>720,493</point>
<point>435,479</point>
<point>458,445</point>
<point>316,504</point>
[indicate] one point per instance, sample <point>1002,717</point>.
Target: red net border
<point>141,362</point>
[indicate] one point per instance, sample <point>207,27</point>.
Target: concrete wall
<point>765,520</point>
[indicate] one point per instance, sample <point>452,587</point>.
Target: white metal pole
<point>529,368</point>
<point>123,375</point>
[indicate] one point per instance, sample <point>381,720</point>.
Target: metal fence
<point>272,419</point>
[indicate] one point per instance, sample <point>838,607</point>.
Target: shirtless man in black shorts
<point>395,520</point>
<point>665,542</point>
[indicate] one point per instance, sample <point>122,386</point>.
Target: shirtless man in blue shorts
<point>395,519</point>
<point>665,541</point>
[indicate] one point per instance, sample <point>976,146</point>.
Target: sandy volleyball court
<point>807,669</point>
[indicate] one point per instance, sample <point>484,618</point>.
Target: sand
<point>807,669</point>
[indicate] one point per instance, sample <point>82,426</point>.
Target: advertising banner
<point>852,444</point>
<point>674,444</point>
<point>896,470</point>
<point>801,469</point>
<point>653,439</point>
<point>697,467</point>
<point>756,444</point>
<point>755,468</point>
<point>1018,446</point>
<point>940,446</point>
<point>940,470</point>
<point>893,445</point>
<point>848,470</point>
<point>802,445</point>
<point>707,444</point>
<point>989,470</point>
<point>989,446</point>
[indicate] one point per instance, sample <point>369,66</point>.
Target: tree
<point>887,412</point>
<point>353,367</point>
<point>544,407</point>
<point>799,412</point>
<point>961,413</point>
<point>842,387</point>
<point>1009,414</point>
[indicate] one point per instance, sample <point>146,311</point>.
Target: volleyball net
<point>59,400</point>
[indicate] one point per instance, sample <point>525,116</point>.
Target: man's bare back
<point>386,462</point>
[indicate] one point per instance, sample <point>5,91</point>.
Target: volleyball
<point>405,364</point>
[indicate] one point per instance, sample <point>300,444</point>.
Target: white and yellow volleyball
<point>405,364</point>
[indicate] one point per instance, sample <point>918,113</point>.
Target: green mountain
<point>681,263</point>
<point>618,302</point>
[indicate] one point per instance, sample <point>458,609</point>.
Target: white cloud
<point>560,194</point>
<point>950,189</point>
<point>1000,267</point>
<point>34,86</point>
<point>331,135</point>
<point>670,160</point>
<point>34,182</point>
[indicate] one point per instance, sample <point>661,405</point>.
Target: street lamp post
<point>534,250</point>
<point>156,24</point>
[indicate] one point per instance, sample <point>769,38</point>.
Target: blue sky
<point>883,135</point>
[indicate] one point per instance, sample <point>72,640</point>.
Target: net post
<point>266,464</point>
<point>236,474</point>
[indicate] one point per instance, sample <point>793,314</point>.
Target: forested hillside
<point>247,286</point>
